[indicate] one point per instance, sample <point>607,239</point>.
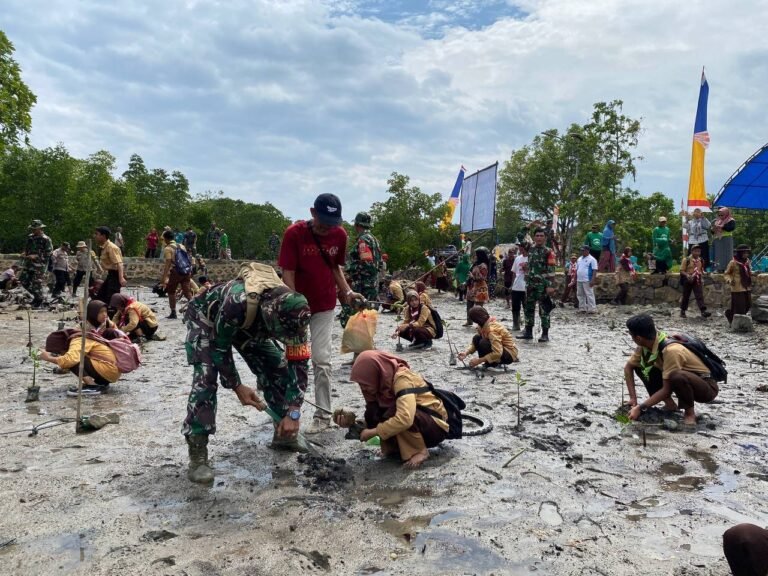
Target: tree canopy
<point>16,99</point>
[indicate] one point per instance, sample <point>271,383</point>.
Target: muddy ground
<point>588,496</point>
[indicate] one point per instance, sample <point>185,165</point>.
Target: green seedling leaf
<point>622,419</point>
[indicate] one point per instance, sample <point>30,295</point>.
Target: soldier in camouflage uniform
<point>36,254</point>
<point>363,265</point>
<point>215,320</point>
<point>539,281</point>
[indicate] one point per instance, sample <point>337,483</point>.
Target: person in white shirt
<point>586,274</point>
<point>518,283</point>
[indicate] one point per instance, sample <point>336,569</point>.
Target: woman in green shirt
<point>661,247</point>
<point>462,273</point>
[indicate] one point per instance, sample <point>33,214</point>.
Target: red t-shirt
<point>314,279</point>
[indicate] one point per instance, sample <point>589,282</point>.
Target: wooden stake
<point>83,327</point>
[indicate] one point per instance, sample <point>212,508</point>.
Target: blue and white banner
<point>478,200</point>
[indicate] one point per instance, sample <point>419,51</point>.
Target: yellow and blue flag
<point>453,200</point>
<point>697,194</point>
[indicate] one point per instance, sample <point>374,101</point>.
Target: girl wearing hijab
<point>134,318</point>
<point>477,283</point>
<point>419,326</point>
<point>738,275</point>
<point>100,367</point>
<point>608,249</point>
<point>722,229</point>
<point>407,423</point>
<point>493,343</point>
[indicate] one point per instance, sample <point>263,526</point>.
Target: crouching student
<point>665,368</point>
<point>395,297</point>
<point>419,326</point>
<point>134,318</point>
<point>100,367</point>
<point>746,549</point>
<point>407,422</point>
<point>493,343</point>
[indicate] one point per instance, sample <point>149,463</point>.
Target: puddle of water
<point>444,517</point>
<point>671,469</point>
<point>372,571</point>
<point>406,529</point>
<point>726,482</point>
<point>446,551</point>
<point>549,512</point>
<point>66,551</point>
<point>390,497</point>
<point>684,484</point>
<point>705,459</point>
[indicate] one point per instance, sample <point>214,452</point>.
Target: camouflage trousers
<point>537,294</point>
<point>369,291</point>
<point>33,280</point>
<point>275,375</point>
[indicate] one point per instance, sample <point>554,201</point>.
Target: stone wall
<point>651,289</point>
<point>647,289</point>
<point>144,271</point>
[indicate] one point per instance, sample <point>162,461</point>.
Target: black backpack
<point>711,360</point>
<point>438,322</point>
<point>452,403</point>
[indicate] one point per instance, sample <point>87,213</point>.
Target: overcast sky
<point>282,100</point>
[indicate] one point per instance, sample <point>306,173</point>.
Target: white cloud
<point>280,101</point>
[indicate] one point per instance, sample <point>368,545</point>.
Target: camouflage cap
<point>36,224</point>
<point>286,315</point>
<point>363,219</point>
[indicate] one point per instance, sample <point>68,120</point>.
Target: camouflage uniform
<point>540,275</point>
<point>214,319</point>
<point>363,267</point>
<point>33,274</point>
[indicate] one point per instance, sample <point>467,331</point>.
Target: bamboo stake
<point>83,327</point>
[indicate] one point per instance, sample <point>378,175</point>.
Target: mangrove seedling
<point>33,392</point>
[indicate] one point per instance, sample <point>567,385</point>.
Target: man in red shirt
<point>312,259</point>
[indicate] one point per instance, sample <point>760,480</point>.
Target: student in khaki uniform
<point>172,279</point>
<point>421,290</point>
<point>111,260</point>
<point>134,318</point>
<point>419,326</point>
<point>493,343</point>
<point>672,370</point>
<point>407,424</point>
<point>738,275</point>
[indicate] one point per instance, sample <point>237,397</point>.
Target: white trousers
<point>320,330</point>
<point>586,295</point>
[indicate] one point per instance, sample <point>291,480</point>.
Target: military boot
<point>516,322</point>
<point>528,334</point>
<point>544,335</point>
<point>199,471</point>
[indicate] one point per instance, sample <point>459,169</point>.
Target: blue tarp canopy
<point>748,187</point>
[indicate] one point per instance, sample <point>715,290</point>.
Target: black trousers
<point>79,275</point>
<point>518,299</point>
<point>89,370</point>
<point>62,281</point>
<point>110,286</point>
<point>698,292</point>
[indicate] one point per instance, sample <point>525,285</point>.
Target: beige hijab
<point>374,371</point>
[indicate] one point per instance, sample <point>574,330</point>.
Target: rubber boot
<point>172,315</point>
<point>199,471</point>
<point>516,322</point>
<point>544,335</point>
<point>527,335</point>
<point>705,314</point>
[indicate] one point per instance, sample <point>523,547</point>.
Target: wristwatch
<point>294,414</point>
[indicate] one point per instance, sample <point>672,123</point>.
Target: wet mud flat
<point>584,495</point>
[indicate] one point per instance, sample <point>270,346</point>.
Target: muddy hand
<point>248,397</point>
